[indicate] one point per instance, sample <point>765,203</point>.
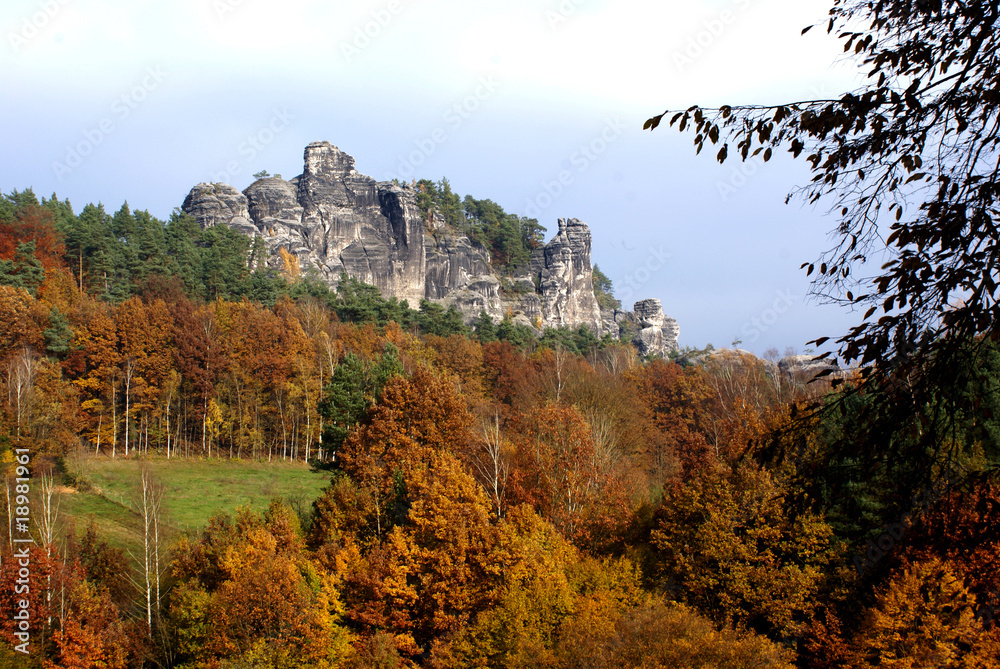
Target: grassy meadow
<point>103,490</point>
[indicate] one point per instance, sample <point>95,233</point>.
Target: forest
<point>495,499</point>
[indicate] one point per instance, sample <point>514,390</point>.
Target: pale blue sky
<point>536,105</point>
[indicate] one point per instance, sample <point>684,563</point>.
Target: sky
<point>537,105</point>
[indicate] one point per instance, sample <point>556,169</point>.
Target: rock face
<point>212,204</point>
<point>566,278</point>
<point>800,369</point>
<point>806,367</point>
<point>336,220</point>
<point>657,333</point>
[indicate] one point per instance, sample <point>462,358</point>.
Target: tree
<point>604,292</point>
<point>728,544</point>
<point>148,503</point>
<point>353,388</point>
<point>561,472</point>
<point>92,633</point>
<point>59,335</point>
<point>248,594</point>
<point>21,371</point>
<point>24,271</point>
<point>658,635</point>
<point>484,329</point>
<point>414,419</point>
<point>908,162</point>
<point>533,598</point>
<point>439,567</point>
<point>100,378</point>
<point>924,616</point>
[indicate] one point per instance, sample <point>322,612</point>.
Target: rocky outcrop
<point>566,279</point>
<point>657,333</point>
<point>805,368</point>
<point>331,218</point>
<point>336,220</point>
<point>800,369</point>
<point>213,204</point>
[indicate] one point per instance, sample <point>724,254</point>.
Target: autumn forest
<point>494,498</point>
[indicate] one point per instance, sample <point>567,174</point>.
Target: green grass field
<point>195,490</point>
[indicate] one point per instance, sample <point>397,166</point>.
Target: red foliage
<point>33,224</point>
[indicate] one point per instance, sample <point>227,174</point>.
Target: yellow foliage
<point>926,617</point>
<point>290,265</point>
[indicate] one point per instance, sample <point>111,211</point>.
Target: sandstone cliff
<point>336,220</point>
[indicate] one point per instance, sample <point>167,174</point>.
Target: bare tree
<point>148,503</point>
<point>170,389</point>
<point>22,368</point>
<point>491,462</point>
<point>618,358</point>
<point>50,512</point>
<point>606,453</point>
<point>129,373</point>
<point>561,357</point>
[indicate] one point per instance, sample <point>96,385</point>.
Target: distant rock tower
<point>658,333</point>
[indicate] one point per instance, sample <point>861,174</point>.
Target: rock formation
<point>800,369</point>
<point>658,333</point>
<point>805,367</point>
<point>336,220</point>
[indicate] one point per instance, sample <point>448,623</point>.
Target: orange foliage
<point>23,321</point>
<point>364,340</point>
<point>436,569</point>
<point>562,473</point>
<point>414,418</point>
<point>961,530</point>
<point>33,224</point>
<point>93,634</point>
<point>924,617</point>
<point>509,378</point>
<point>681,403</point>
<point>462,357</point>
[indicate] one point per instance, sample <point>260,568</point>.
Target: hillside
<point>492,495</point>
<point>104,491</point>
